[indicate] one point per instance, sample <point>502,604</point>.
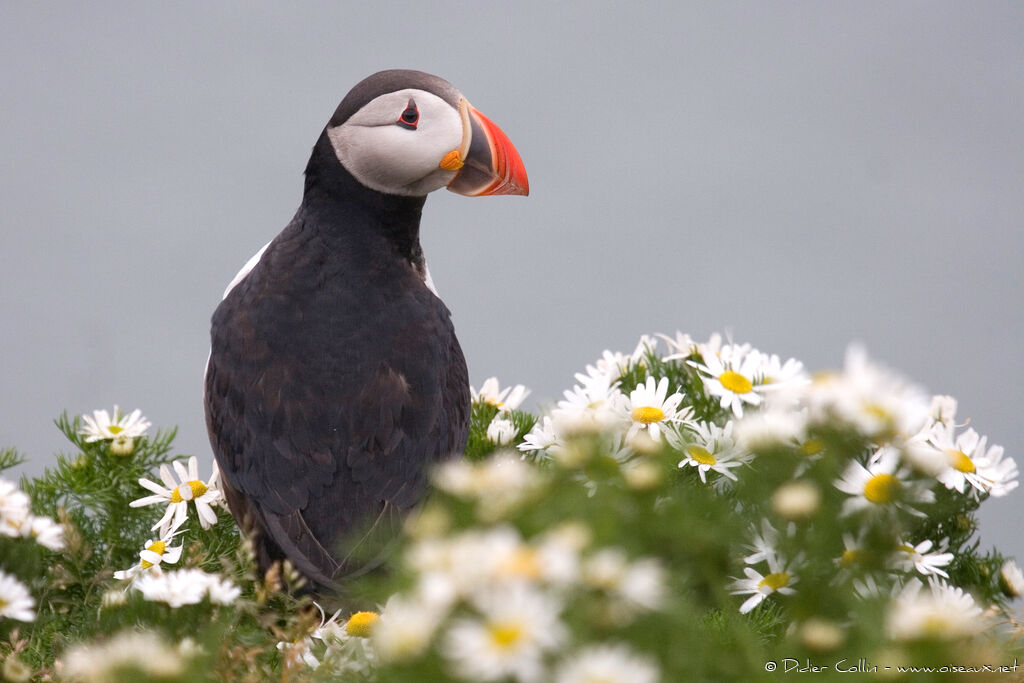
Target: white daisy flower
<point>733,375</point>
<point>595,405</point>
<point>910,557</point>
<point>221,591</point>
<point>497,484</point>
<point>501,431</point>
<point>774,375</point>
<point>765,544</point>
<point>176,588</point>
<point>779,580</point>
<point>854,552</point>
<point>405,629</point>
<point>145,653</point>
<point>771,427</point>
<point>612,365</point>
<point>542,437</point>
<point>101,425</point>
<point>1012,579</point>
<point>936,612</point>
<point>680,346</point>
<point>651,408</point>
<point>709,447</point>
<point>348,647</point>
<point>505,399</point>
<point>185,587</point>
<point>638,584</point>
<point>301,649</point>
<point>943,410</point>
<point>15,600</point>
<point>606,663</point>
<point>646,346</point>
<point>878,403</point>
<point>463,564</point>
<point>552,559</point>
<point>517,625</point>
<point>866,588</point>
<point>177,494</point>
<point>883,483</point>
<point>970,462</point>
<point>45,531</point>
<point>14,508</point>
<point>155,552</point>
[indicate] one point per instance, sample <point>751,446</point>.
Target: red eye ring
<point>410,117</point>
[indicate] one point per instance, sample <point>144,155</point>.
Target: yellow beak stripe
<point>452,161</point>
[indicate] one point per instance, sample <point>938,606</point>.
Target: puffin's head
<point>409,133</point>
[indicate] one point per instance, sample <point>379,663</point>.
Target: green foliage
<point>604,538</point>
<point>9,458</point>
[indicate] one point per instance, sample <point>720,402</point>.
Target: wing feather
<point>324,427</point>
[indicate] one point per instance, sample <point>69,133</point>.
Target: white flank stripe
<point>249,265</point>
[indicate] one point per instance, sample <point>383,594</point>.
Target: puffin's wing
<point>318,454</point>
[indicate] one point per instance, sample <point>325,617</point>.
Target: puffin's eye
<point>410,116</point>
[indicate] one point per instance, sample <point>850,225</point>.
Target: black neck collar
<point>345,204</point>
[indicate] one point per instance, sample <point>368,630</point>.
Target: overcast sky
<point>800,174</point>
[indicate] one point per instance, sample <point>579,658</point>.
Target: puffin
<point>335,381</point>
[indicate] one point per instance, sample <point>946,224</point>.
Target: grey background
<point>802,174</point>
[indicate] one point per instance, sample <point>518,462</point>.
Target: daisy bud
<point>501,431</point>
<point>114,598</point>
<point>821,635</point>
<point>122,444</point>
<point>796,500</point>
<point>16,670</point>
<point>642,475</point>
<point>1011,579</point>
<point>641,442</point>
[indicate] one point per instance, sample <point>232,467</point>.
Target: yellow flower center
<point>490,400</point>
<point>505,634</point>
<point>157,547</point>
<point>959,461</point>
<point>360,623</point>
<point>735,382</point>
<point>852,556</point>
<point>882,488</point>
<point>522,563</point>
<point>775,581</point>
<point>937,626</point>
<point>648,414</point>
<point>198,489</point>
<point>875,410</point>
<point>700,455</point>
<point>115,429</point>
<point>812,447</point>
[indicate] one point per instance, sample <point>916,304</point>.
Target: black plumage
<point>335,378</point>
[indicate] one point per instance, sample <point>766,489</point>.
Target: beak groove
<point>492,166</point>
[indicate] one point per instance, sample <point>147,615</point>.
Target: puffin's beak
<point>490,164</point>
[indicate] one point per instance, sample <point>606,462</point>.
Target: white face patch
<point>397,159</point>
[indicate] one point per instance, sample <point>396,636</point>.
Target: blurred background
<point>801,175</point>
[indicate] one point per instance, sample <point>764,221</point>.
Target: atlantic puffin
<point>335,380</point>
